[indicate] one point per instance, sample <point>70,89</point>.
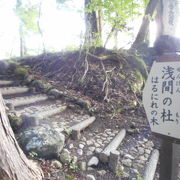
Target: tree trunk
<point>142,34</point>
<point>39,28</point>
<point>23,49</point>
<point>91,25</point>
<point>13,163</point>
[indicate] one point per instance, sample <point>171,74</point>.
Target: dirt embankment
<point>110,81</point>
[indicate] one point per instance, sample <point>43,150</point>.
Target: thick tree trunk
<point>13,163</point>
<point>91,25</point>
<point>142,34</point>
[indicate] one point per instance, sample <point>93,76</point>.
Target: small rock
<point>56,164</point>
<point>147,151</point>
<point>90,177</point>
<point>141,150</point>
<point>90,168</point>
<point>149,144</point>
<point>89,153</point>
<point>92,148</point>
<point>58,175</point>
<point>80,152</point>
<point>99,141</point>
<point>98,150</point>
<point>81,146</point>
<point>89,143</point>
<point>142,158</point>
<point>93,161</point>
<point>102,172</point>
<point>146,156</point>
<point>83,138</point>
<point>82,142</point>
<point>97,145</point>
<point>71,146</point>
<point>127,162</point>
<point>65,156</point>
<point>135,171</point>
<point>128,156</point>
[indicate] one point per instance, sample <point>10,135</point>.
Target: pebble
<point>128,156</point>
<point>149,144</point>
<point>142,158</point>
<point>147,151</point>
<point>93,161</point>
<point>102,172</point>
<point>83,138</point>
<point>71,146</point>
<point>98,150</point>
<point>127,162</point>
<point>99,141</point>
<point>92,148</point>
<point>81,146</point>
<point>89,153</point>
<point>56,164</point>
<point>90,177</point>
<point>97,145</point>
<point>141,150</point>
<point>80,152</point>
<point>89,143</point>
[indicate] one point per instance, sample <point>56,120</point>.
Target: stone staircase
<point>84,141</point>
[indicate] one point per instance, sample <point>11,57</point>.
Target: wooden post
<point>151,166</point>
<point>170,151</point>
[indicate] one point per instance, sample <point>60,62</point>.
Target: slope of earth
<point>110,83</point>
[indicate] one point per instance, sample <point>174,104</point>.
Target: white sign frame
<point>160,98</point>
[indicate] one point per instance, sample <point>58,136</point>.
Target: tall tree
<point>28,14</point>
<point>117,14</point>
<point>143,31</point>
<point>91,23</point>
<point>13,163</point>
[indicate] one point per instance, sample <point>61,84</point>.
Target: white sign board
<point>161,98</point>
<point>170,16</point>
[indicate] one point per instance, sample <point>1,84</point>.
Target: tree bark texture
<point>13,163</point>
<point>91,24</point>
<point>142,34</point>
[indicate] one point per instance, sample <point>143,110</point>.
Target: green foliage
<point>139,177</point>
<point>33,154</point>
<point>28,16</point>
<point>118,13</point>
<point>68,177</point>
<point>119,172</point>
<point>74,167</point>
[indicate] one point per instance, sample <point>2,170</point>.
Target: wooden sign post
<point>161,99</point>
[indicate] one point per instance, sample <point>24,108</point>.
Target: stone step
<point>13,90</point>
<point>77,128</point>
<point>37,118</point>
<point>52,112</point>
<point>21,101</point>
<point>5,83</point>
